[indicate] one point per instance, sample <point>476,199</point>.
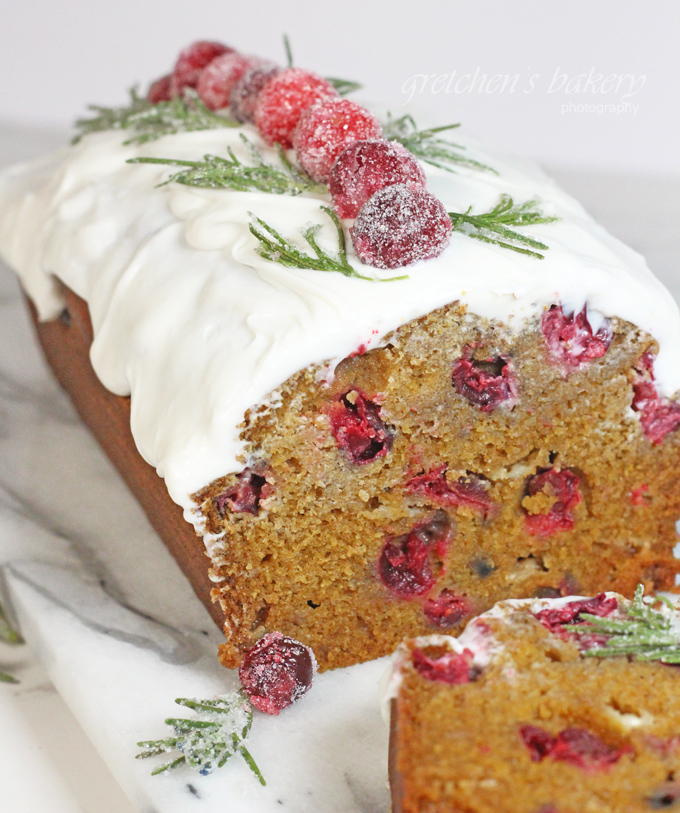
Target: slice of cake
<point>385,394</point>
<point>541,706</point>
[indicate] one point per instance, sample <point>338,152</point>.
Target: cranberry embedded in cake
<point>485,383</point>
<point>571,340</point>
<point>358,428</point>
<point>551,498</point>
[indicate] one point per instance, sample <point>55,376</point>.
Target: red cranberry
<point>365,167</point>
<point>246,91</point>
<point>563,484</point>
<point>573,745</point>
<point>218,79</point>
<point>539,741</point>
<point>276,672</point>
<point>447,609</point>
<point>466,491</point>
<point>400,225</point>
<point>326,128</point>
<point>658,416</point>
<point>404,565</point>
<point>282,101</point>
<point>452,667</point>
<point>553,618</point>
<point>191,62</point>
<point>358,429</point>
<point>245,496</point>
<point>484,384</point>
<point>637,495</point>
<point>571,340</point>
<point>159,90</point>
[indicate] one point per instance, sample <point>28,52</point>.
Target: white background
<point>58,55</point>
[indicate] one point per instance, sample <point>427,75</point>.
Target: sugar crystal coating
<point>282,101</point>
<point>246,92</point>
<point>326,128</point>
<point>400,225</point>
<point>484,383</point>
<point>159,91</point>
<point>358,428</point>
<point>276,672</point>
<point>218,79</point>
<point>366,166</point>
<point>571,340</point>
<point>191,62</point>
<point>560,486</point>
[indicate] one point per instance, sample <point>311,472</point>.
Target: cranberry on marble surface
<point>571,340</point>
<point>326,128</point>
<point>447,609</point>
<point>400,225</point>
<point>366,166</point>
<point>218,79</point>
<point>405,566</point>
<point>282,101</point>
<point>276,672</point>
<point>467,491</point>
<point>191,62</point>
<point>484,383</point>
<point>454,668</point>
<point>246,91</point>
<point>245,496</point>
<point>159,90</point>
<point>658,416</point>
<point>358,428</point>
<point>562,484</point>
<point>553,618</point>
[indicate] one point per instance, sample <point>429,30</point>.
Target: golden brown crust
<point>66,343</point>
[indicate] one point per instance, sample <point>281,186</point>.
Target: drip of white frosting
<point>197,327</point>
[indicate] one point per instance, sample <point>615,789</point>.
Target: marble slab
<point>113,627</point>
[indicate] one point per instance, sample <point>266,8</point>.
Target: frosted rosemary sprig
<point>494,226</point>
<point>273,246</point>
<point>644,633</point>
<point>8,635</point>
<point>207,741</point>
<point>426,145</point>
<point>149,121</point>
<point>215,172</point>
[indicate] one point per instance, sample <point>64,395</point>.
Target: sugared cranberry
<point>246,91</point>
<point>400,225</point>
<point>365,167</point>
<point>218,79</point>
<point>452,667</point>
<point>245,496</point>
<point>276,672</point>
<point>405,566</point>
<point>282,101</point>
<point>573,745</point>
<point>553,618</point>
<point>485,384</point>
<point>561,484</point>
<point>570,339</point>
<point>192,61</point>
<point>447,609</point>
<point>159,90</point>
<point>326,128</point>
<point>658,416</point>
<point>466,491</point>
<point>358,429</point>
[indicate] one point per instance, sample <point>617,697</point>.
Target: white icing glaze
<point>191,322</point>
